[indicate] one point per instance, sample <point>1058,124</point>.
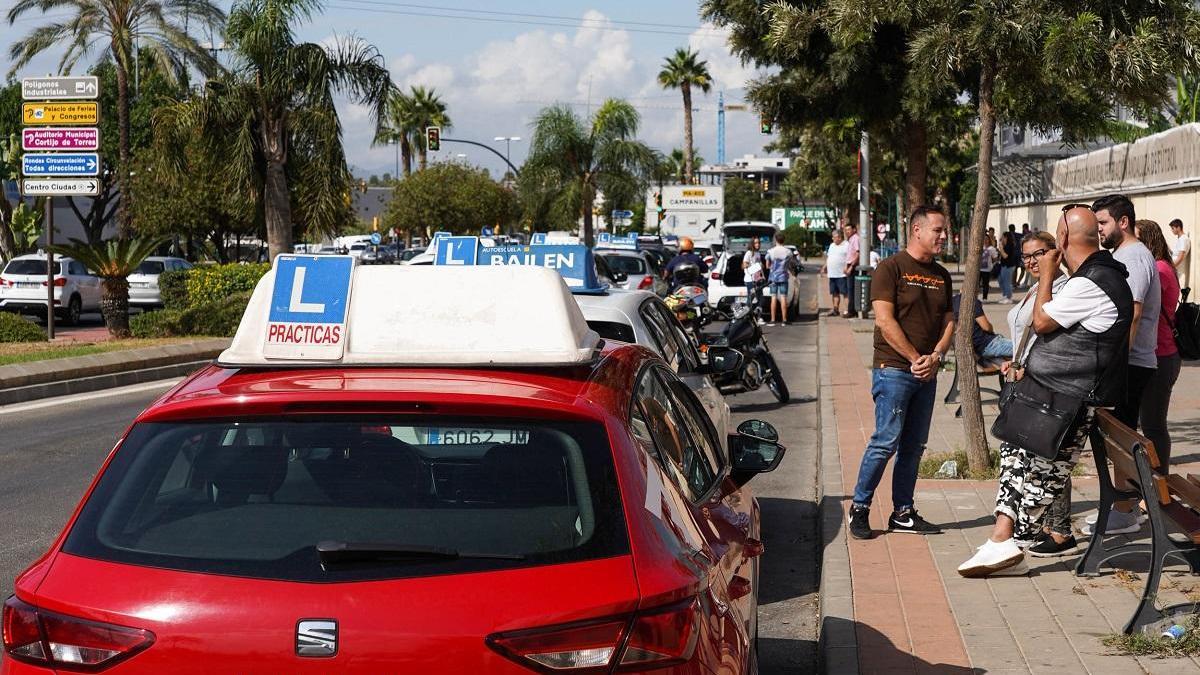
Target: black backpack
<point>1187,328</point>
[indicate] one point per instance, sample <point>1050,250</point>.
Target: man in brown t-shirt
<point>911,296</point>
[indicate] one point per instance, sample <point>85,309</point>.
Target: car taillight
<point>646,283</point>
<point>66,642</point>
<point>58,281</point>
<point>6,282</point>
<point>715,276</point>
<point>645,641</point>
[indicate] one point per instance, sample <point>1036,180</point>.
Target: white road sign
<point>58,88</point>
<point>57,187</point>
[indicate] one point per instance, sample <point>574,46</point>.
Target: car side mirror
<point>722,361</point>
<point>754,449</point>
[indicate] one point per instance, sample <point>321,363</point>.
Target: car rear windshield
<point>255,498</point>
<point>151,267</point>
<point>738,240</point>
<point>29,267</point>
<point>626,263</point>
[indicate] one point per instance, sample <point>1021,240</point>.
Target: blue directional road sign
<point>375,238</point>
<point>622,214</point>
<point>60,164</point>
<point>457,251</point>
<point>309,301</point>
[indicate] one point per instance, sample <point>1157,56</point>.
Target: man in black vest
<point>1082,351</point>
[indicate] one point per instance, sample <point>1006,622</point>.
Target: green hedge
<point>219,319</point>
<point>207,285</point>
<point>172,288</point>
<point>14,328</point>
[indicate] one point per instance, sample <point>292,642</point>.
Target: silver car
<point>642,272</point>
<point>642,318</point>
<point>143,284</point>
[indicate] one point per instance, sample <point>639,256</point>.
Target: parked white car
<point>726,281</point>
<point>23,287</point>
<point>143,284</point>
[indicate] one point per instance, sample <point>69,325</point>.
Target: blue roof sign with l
<point>538,238</point>
<point>457,251</point>
<point>309,300</point>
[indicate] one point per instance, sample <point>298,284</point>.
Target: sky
<point>497,63</point>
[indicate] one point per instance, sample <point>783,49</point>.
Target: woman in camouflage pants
<point>1030,483</point>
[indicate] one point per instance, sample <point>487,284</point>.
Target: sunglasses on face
<point>1068,207</point>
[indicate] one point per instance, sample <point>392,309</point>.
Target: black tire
<point>74,309</point>
<point>775,383</point>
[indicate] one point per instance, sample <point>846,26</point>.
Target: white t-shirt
<point>988,258</point>
<point>1182,245</point>
<point>1082,301</point>
<point>835,260</point>
<point>875,258</point>
<point>777,256</point>
<point>754,264</point>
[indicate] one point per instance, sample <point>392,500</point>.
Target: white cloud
<point>727,70</point>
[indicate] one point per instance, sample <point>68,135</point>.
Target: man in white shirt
<point>1180,251</point>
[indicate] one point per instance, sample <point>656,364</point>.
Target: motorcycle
<point>689,299</point>
<point>743,335</point>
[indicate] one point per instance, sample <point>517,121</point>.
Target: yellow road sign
<point>81,112</point>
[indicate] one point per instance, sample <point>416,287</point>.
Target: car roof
<point>620,252</point>
<point>38,256</point>
<point>584,391</point>
<point>615,299</point>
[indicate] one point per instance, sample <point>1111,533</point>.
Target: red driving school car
<point>468,481</point>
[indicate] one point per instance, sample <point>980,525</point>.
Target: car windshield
<point>255,498</point>
<point>357,247</point>
<point>151,267</point>
<point>626,263</point>
<point>29,266</point>
<point>411,253</point>
<point>738,240</point>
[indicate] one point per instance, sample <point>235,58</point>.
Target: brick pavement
<point>895,604</point>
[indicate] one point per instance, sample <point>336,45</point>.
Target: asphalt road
<point>50,451</point>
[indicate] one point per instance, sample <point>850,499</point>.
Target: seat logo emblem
<point>316,637</point>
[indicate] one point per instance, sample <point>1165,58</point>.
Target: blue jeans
<point>999,349</point>
<point>903,410</point>
<point>1006,276</point>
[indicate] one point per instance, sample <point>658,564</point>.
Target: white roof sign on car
<point>481,315</point>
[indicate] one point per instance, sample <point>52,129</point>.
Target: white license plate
<point>28,284</point>
<point>139,284</point>
<point>468,436</point>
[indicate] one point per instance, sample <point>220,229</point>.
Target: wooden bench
<point>1172,504</point>
<point>981,371</point>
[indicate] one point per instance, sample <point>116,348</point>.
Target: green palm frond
<point>112,259</point>
<point>685,66</point>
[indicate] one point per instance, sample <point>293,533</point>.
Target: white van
<point>726,283</point>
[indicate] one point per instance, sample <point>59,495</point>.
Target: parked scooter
<point>688,299</point>
<point>742,334</point>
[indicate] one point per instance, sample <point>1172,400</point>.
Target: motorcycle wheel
<point>775,383</point>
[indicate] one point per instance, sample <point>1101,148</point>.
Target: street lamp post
<point>508,141</point>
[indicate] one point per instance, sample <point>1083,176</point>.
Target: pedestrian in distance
<point>1156,399</point>
<point>1009,256</point>
<point>752,269</point>
<point>835,269</point>
<point>852,255</point>
<point>914,324</point>
<point>1118,234</point>
<point>1080,353</point>
<point>781,265</point>
<point>1180,251</point>
<point>1057,537</point>
<point>988,259</point>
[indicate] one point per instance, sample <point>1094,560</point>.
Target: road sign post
<point>50,268</point>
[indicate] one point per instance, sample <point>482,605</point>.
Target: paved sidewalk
<point>895,604</point>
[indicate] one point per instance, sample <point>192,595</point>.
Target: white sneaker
<point>990,558</point>
<point>1018,570</point>
<point>1141,516</point>
<point>772,324</point>
<point>1118,523</point>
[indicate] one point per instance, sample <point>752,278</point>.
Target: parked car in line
<point>642,272</point>
<point>143,284</point>
<point>383,254</point>
<point>490,496</point>
<point>410,253</point>
<point>23,287</point>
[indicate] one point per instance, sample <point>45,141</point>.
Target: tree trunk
<point>406,155</point>
<point>917,162</point>
<point>114,305</point>
<point>8,243</point>
<point>978,458</point>
<point>123,161</point>
<point>687,133</point>
<point>422,154</point>
<point>277,204</point>
<point>586,193</point>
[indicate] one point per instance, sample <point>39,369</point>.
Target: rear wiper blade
<point>375,551</point>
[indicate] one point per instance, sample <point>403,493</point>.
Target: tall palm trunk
<point>277,205</point>
<point>406,155</point>
<point>124,229</point>
<point>686,88</point>
<point>422,156</point>
<point>917,156</point>
<point>114,305</point>
<point>8,243</point>
<point>972,409</point>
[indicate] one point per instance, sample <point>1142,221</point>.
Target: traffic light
<point>662,213</point>
<point>764,125</point>
<point>433,138</point>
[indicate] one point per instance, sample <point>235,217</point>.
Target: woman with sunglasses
<point>1058,538</point>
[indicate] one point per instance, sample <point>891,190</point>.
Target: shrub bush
<point>172,288</point>
<point>206,285</point>
<point>159,324</point>
<point>15,328</point>
<point>217,319</point>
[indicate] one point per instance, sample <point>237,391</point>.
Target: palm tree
<point>683,70</point>
<point>155,26</point>
<point>428,111</point>
<point>398,126</point>
<point>113,261</point>
<point>676,162</point>
<point>276,111</point>
<point>570,157</point>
